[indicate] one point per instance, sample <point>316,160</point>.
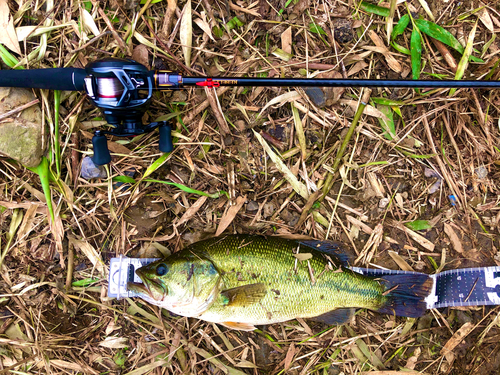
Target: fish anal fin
<point>238,326</point>
<point>335,249</point>
<point>337,316</point>
<point>244,295</point>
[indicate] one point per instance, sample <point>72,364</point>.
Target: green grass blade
<point>57,143</point>
<point>156,164</point>
<point>44,172</point>
<point>189,190</point>
<point>464,61</point>
<point>416,53</point>
<point>375,9</point>
<point>8,58</point>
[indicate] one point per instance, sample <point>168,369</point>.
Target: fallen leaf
<point>141,55</point>
<point>230,214</point>
<point>286,40</point>
<point>457,338</point>
<point>114,342</point>
<point>455,241</point>
<point>90,253</point>
<point>191,211</point>
<point>186,32</point>
<point>8,35</point>
<point>204,25</point>
<point>298,186</point>
<point>303,256</point>
<point>67,365</point>
<point>485,18</point>
<point>89,23</point>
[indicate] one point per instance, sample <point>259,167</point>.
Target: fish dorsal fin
<point>332,248</point>
<point>238,326</point>
<point>338,316</point>
<point>244,295</point>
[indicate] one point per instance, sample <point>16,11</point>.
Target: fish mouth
<point>138,287</point>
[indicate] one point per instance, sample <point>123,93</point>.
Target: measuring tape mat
<point>460,287</point>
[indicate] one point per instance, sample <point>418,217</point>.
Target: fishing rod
<point>123,90</point>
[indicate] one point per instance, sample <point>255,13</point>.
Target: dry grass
<point>51,325</point>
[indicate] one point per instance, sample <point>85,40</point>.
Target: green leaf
<point>316,29</point>
<point>400,48</point>
<point>437,32</point>
<point>416,53</point>
<point>415,156</point>
<point>387,125</point>
<point>43,171</point>
<point>385,101</point>
<point>84,282</point>
<point>400,26</point>
<point>464,61</point>
<point>189,190</point>
<point>375,9</point>
<point>124,179</point>
<point>418,225</point>
<point>156,164</point>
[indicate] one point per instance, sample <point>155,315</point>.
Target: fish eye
<point>161,269</point>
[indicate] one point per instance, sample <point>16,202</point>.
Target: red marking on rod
<point>209,83</point>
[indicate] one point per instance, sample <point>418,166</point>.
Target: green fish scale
<point>294,288</point>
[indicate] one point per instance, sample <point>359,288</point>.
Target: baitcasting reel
<point>122,89</point>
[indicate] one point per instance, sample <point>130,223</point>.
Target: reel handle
<point>166,144</point>
<point>101,151</point>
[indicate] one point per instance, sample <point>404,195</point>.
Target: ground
<point>427,155</point>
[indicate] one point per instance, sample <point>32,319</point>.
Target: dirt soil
<point>414,185</point>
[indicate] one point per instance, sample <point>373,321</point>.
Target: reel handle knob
<point>166,144</point>
<point>101,151</point>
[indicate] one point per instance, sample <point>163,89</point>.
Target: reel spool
<point>122,89</point>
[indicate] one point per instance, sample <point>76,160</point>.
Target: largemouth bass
<point>241,281</point>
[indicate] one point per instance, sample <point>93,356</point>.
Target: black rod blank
<point>313,82</point>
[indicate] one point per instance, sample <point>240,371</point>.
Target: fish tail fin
<point>406,294</point>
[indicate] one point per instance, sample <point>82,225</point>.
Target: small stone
<point>21,135</point>
<point>383,202</point>
<point>228,140</point>
<point>268,209</point>
<point>481,172</point>
<point>343,30</point>
<point>90,170</point>
<point>316,95</point>
<point>252,206</point>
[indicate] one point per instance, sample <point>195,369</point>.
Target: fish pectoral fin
<point>338,316</point>
<point>244,295</point>
<point>238,326</point>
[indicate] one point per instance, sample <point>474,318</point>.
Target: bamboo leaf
<point>388,123</point>
<point>156,164</point>
<point>375,9</point>
<point>416,53</point>
<point>400,26</point>
<point>8,36</point>
<point>298,186</point>
<point>418,225</point>
<point>190,190</point>
<point>186,33</point>
<point>464,61</point>
<point>437,32</point>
